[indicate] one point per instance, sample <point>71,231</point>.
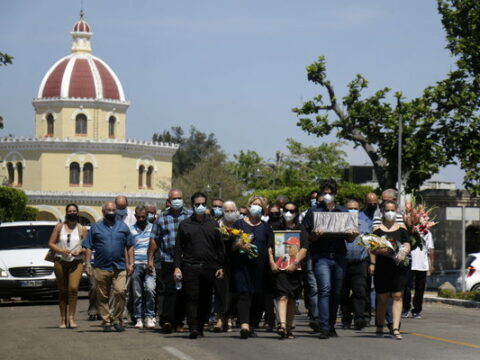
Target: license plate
<point>31,283</point>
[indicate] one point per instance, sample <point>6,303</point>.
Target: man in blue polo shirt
<point>328,255</point>
<point>109,238</point>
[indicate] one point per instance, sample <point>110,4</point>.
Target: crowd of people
<point>152,267</point>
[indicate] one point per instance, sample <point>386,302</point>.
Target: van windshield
<point>25,237</point>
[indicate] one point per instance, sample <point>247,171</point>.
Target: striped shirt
<point>165,232</point>
<point>141,239</point>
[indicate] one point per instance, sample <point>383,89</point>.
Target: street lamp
<point>400,129</point>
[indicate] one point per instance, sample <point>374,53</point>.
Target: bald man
<point>109,238</point>
<point>123,212</point>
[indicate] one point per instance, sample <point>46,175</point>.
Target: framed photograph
<point>287,246</point>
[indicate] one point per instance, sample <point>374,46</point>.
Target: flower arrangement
<point>384,246</point>
<point>419,221</point>
<point>243,237</point>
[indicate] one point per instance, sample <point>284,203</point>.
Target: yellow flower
<point>236,232</point>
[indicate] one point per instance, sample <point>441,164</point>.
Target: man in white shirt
<point>123,212</point>
<point>422,262</point>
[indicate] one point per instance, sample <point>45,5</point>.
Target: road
<point>29,331</point>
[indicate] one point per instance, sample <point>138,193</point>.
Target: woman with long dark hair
<point>66,242</point>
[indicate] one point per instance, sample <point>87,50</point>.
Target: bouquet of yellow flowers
<point>243,237</point>
<point>377,245</point>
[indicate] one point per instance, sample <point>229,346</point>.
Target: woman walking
<point>66,242</point>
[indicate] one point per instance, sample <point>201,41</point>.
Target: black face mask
<point>110,217</point>
<point>72,217</point>
<point>371,207</point>
<point>142,223</point>
<point>275,216</point>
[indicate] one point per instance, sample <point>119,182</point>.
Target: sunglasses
<point>200,204</point>
<point>68,239</point>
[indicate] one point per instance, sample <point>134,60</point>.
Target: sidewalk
<point>432,297</point>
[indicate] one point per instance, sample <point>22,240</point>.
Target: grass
<point>466,295</point>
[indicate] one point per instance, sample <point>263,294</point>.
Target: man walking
<point>199,256</point>
<point>109,238</point>
<point>164,235</point>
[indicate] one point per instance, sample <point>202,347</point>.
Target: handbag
<point>50,256</point>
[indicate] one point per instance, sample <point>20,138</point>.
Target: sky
<point>233,68</point>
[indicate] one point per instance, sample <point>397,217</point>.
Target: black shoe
<point>323,334</point>
<point>92,317</point>
<point>360,324</point>
<point>194,334</point>
<point>244,333</point>
<point>253,333</point>
<point>333,333</point>
<point>314,325</point>
<point>107,328</point>
<point>119,327</point>
<point>167,328</point>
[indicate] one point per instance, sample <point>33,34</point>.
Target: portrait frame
<point>281,249</point>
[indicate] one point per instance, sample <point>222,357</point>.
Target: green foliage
<point>13,205</point>
<point>192,150</point>
<point>246,167</point>
<point>5,59</point>
<point>30,213</point>
<point>467,295</point>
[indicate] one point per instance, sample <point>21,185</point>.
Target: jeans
<point>329,273</point>
<point>312,291</point>
<point>143,285</point>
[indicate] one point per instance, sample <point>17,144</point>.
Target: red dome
<point>81,75</point>
<point>81,26</point>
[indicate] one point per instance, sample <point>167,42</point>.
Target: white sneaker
<point>139,324</point>
<point>149,323</point>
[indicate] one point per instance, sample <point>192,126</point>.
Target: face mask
<point>150,217</point>
<point>288,216</point>
<point>242,216</point>
<point>313,202</point>
<point>142,223</point>
<point>372,207</point>
<point>256,210</point>
<point>275,216</point>
<point>354,211</point>
<point>177,204</point>
<point>390,215</point>
<point>122,212</point>
<point>217,212</point>
<point>328,198</point>
<point>200,210</point>
<point>231,216</point>
<point>110,217</point>
<point>72,217</point>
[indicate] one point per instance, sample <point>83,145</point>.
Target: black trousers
<point>172,301</point>
<point>354,295</point>
<point>250,308</point>
<point>416,280</point>
<point>198,284</point>
<point>222,296</point>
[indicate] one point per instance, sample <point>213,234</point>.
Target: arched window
<point>74,173</point>
<point>88,174</point>
<point>149,177</point>
<point>141,171</point>
<point>19,173</point>
<point>50,126</point>
<point>11,173</point>
<point>81,124</point>
<point>111,126</point>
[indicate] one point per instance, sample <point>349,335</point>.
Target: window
<point>19,173</point>
<point>50,127</point>
<point>74,173</point>
<point>141,171</point>
<point>11,173</point>
<point>81,124</point>
<point>88,174</point>
<point>111,126</point>
<point>149,177</point>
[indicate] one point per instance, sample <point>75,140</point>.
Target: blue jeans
<point>143,292</point>
<point>312,291</point>
<point>329,273</point>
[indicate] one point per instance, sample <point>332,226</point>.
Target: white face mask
<point>328,198</point>
<point>256,210</point>
<point>390,215</point>
<point>231,216</point>
<point>288,216</point>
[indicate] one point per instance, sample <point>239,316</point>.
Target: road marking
<point>445,340</point>
<point>179,354</point>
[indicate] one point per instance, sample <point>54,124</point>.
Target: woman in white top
<point>66,242</point>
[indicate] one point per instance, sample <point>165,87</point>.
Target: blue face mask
<point>200,210</point>
<point>256,210</point>
<point>217,212</point>
<point>353,211</point>
<point>177,204</point>
<point>121,212</point>
<point>313,202</point>
<point>150,217</point>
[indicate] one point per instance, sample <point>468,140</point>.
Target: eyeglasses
<point>199,204</point>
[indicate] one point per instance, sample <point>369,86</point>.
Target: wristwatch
<point>296,262</point>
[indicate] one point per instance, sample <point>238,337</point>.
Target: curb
<point>454,302</point>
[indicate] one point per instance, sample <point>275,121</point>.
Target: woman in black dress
<point>287,270</point>
<point>248,274</point>
<point>390,276</point>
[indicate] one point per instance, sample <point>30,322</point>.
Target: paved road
<point>28,331</point>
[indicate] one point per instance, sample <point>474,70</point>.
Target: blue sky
<point>234,68</point>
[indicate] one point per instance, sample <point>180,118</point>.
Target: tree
<point>5,59</point>
<point>192,150</point>
<point>13,205</point>
<point>439,126</point>
<point>248,169</point>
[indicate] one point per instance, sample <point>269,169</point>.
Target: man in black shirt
<point>328,254</point>
<point>199,256</point>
